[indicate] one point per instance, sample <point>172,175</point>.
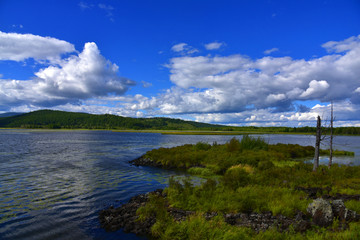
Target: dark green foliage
<point>236,177</point>
<point>202,146</point>
<point>50,119</point>
<point>264,165</point>
<point>70,120</point>
<point>251,143</point>
<point>218,158</point>
<point>292,150</point>
<point>247,143</point>
<point>233,145</point>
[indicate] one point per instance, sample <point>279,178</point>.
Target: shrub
<point>236,177</point>
<point>202,146</point>
<point>263,165</point>
<point>251,143</point>
<point>233,145</point>
<point>249,169</point>
<point>206,172</point>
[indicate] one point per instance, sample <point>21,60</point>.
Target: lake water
<point>54,183</point>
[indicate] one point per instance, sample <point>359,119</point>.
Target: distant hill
<point>58,119</point>
<point>50,119</point>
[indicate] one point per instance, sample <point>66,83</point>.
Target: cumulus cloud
<point>221,89</point>
<point>213,45</point>
<point>78,77</point>
<point>345,113</point>
<point>19,47</point>
<point>274,86</point>
<point>316,89</point>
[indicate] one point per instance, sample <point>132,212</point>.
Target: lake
<point>54,183</point>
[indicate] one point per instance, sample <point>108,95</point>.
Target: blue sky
<point>262,63</point>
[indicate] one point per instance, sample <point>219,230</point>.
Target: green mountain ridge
<point>52,119</point>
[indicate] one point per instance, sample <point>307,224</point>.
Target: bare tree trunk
<point>331,134</point>
<point>317,144</point>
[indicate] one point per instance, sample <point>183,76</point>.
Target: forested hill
<point>71,120</point>
<point>50,119</point>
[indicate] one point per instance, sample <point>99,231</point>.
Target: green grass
<point>202,172</point>
<point>251,176</point>
<point>218,158</point>
<point>197,227</point>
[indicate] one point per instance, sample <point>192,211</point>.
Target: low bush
<point>218,158</point>
<point>236,177</point>
<point>204,172</point>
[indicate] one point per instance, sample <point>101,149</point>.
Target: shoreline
<point>125,217</point>
<point>174,132</point>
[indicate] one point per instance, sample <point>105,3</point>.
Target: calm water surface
<point>54,183</point>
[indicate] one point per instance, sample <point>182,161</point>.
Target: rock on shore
<point>144,161</point>
<point>321,212</point>
<point>113,219</point>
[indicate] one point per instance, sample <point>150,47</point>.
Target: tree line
<point>50,119</point>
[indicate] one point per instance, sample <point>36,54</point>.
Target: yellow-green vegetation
<point>196,227</point>
<point>252,176</point>
<point>225,197</point>
<point>216,158</point>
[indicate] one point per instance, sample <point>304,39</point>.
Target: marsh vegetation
<point>248,176</point>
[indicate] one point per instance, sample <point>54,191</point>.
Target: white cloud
<point>213,45</point>
<point>344,111</point>
<point>19,47</point>
<point>269,51</point>
<point>273,98</point>
<point>82,76</point>
<point>237,84</point>
<point>179,47</point>
<point>316,89</point>
<point>184,48</point>
<point>342,46</point>
<point>222,89</point>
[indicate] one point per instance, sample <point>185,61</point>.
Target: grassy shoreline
<point>247,176</point>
